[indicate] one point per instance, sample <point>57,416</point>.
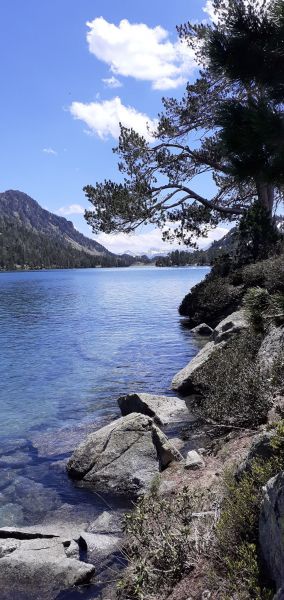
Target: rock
<point>183,380</point>
<point>162,409</point>
<point>260,449</point>
<point>8,446</point>
<point>17,459</point>
<point>276,412</point>
<point>40,565</point>
<point>121,458</point>
<point>107,523</point>
<point>271,529</point>
<point>11,515</point>
<point>167,453</point>
<point>100,545</point>
<point>233,324</point>
<point>203,330</point>
<point>7,477</point>
<point>34,497</point>
<point>73,550</point>
<point>270,349</point>
<point>194,460</point>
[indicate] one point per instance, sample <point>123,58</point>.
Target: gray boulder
<point>183,382</point>
<point>260,449</point>
<point>162,409</point>
<point>121,458</point>
<point>38,566</point>
<point>270,349</point>
<point>271,529</point>
<point>166,451</point>
<point>194,461</point>
<point>233,324</point>
<point>203,330</point>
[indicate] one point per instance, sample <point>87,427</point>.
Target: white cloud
<point>145,53</point>
<point>72,209</point>
<point>103,118</point>
<point>150,242</point>
<point>112,82</point>
<point>50,151</point>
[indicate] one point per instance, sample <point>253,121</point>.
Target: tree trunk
<point>265,192</point>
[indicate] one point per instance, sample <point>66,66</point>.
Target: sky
<point>71,70</point>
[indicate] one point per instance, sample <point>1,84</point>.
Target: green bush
<point>236,553</point>
<point>256,303</point>
<point>159,541</point>
<point>161,547</point>
<point>263,309</point>
<point>232,389</point>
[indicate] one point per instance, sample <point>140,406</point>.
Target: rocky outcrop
<point>271,348</point>
<point>261,449</point>
<point>163,409</point>
<point>271,529</point>
<point>203,330</point>
<point>183,382</point>
<point>233,324</point>
<point>38,564</point>
<point>121,458</point>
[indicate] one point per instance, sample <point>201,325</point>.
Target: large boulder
<point>271,529</point>
<point>233,324</point>
<point>183,381</point>
<point>121,458</point>
<point>38,565</point>
<point>162,409</point>
<point>261,449</point>
<point>271,348</point>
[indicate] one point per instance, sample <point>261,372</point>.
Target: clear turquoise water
<point>72,342</point>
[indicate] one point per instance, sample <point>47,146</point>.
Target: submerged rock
<point>163,409</point>
<point>271,529</point>
<point>34,498</point>
<point>121,458</point>
<point>11,514</point>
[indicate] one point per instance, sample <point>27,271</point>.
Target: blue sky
<point>62,94</point>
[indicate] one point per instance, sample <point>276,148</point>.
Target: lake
<point>71,343</point>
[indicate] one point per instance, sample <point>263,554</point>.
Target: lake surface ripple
<point>71,343</point>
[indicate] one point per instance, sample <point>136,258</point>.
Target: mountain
<point>32,237</point>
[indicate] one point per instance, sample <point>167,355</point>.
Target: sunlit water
<point>71,343</point>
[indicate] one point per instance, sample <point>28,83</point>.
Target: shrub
<point>162,544</point>
<point>263,309</point>
<point>232,389</point>
<point>256,303</point>
<point>236,551</point>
